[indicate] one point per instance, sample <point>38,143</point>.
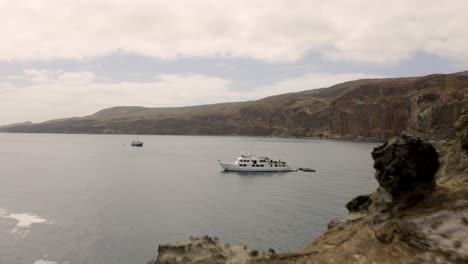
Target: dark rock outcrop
<point>405,169</point>
<point>410,220</point>
<point>359,204</point>
<point>404,164</point>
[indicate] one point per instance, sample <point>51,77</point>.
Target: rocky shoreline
<point>418,214</point>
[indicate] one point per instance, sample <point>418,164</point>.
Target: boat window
<point>261,165</point>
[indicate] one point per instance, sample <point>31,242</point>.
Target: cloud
<point>42,95</point>
<point>362,31</point>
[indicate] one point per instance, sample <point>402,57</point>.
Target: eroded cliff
<point>378,108</point>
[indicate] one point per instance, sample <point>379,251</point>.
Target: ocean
<point>95,199</point>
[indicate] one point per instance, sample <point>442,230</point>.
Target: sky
<point>64,58</point>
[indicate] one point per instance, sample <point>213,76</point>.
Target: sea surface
<point>94,199</point>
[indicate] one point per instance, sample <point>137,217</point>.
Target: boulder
<point>359,204</point>
<point>405,169</point>
<point>405,165</point>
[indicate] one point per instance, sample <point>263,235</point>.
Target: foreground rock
<point>405,169</point>
<point>405,165</point>
<point>206,250</point>
<point>410,218</point>
<point>209,250</point>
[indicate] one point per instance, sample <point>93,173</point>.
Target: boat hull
<point>234,167</point>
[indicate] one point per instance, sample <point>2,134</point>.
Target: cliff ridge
<point>425,106</point>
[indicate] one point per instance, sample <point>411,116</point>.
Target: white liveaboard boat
<point>249,162</point>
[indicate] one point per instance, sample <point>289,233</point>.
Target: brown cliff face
<point>425,106</point>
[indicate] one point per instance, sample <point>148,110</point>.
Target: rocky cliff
<point>418,214</point>
<point>379,108</point>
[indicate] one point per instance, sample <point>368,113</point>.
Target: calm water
<point>92,199</point>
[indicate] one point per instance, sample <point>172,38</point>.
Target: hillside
<point>375,108</point>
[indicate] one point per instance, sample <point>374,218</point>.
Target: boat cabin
<point>247,160</point>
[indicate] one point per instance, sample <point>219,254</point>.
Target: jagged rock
<point>359,203</point>
<point>404,164</point>
<point>206,250</point>
<point>442,231</point>
<point>405,169</point>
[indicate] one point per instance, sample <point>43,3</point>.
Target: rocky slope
<point>418,214</point>
<point>378,108</point>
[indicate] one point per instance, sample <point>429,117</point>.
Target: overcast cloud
<point>53,52</point>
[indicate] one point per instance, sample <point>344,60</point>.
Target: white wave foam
<point>41,261</point>
<point>26,220</point>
